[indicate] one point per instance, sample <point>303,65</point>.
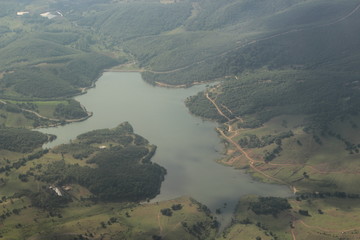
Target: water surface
<point>187,145</point>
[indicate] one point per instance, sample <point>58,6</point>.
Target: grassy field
<point>14,119</point>
<point>329,218</point>
<point>104,221</point>
<point>32,114</point>
<point>304,162</point>
<point>47,108</point>
<point>44,108</point>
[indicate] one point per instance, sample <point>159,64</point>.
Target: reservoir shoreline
<point>187,146</point>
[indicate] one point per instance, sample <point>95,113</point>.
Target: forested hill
<point>217,29</point>
<point>44,58</point>
<point>123,172</point>
<point>21,140</point>
<point>308,69</point>
<point>309,49</point>
<point>184,42</point>
<point>278,57</point>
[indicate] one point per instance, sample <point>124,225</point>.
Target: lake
<point>187,145</point>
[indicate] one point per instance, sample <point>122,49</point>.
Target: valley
<point>272,88</point>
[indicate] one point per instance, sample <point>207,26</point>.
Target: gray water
<point>187,145</point>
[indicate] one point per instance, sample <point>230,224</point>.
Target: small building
<point>22,13</point>
<point>66,188</point>
<point>56,190</point>
<point>48,15</point>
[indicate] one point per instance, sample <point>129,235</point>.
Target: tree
<point>166,212</point>
<point>304,212</point>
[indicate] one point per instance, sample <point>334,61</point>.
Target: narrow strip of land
<point>88,114</point>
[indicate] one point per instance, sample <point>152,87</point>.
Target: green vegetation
<point>311,160</point>
<point>324,220</point>
<point>113,220</point>
<point>71,110</point>
<point>191,42</point>
<point>40,113</point>
<point>21,140</point>
<point>83,70</point>
<point>30,204</point>
<point>266,94</point>
<point>119,135</point>
<point>137,19</point>
<point>217,15</point>
<point>288,98</point>
<point>114,167</point>
<point>274,68</point>
<point>200,105</point>
<point>269,205</point>
<point>120,175</point>
<point>292,74</point>
<point>43,58</point>
<point>123,171</point>
<point>48,200</point>
<point>34,82</point>
<point>252,141</point>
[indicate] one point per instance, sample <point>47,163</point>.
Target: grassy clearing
<point>264,226</point>
<point>304,162</point>
<point>44,108</point>
<point>103,221</point>
<point>329,218</point>
<point>10,119</point>
<point>130,67</point>
<point>148,217</point>
<point>245,231</point>
<point>47,108</point>
<point>33,114</point>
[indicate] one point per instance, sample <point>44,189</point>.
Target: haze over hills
<point>286,98</point>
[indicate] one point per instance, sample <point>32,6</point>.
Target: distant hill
<point>314,42</point>
<point>185,42</point>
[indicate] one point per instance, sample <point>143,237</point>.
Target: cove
<point>187,145</point>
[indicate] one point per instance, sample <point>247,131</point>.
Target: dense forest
<point>21,140</point>
<point>47,58</point>
<point>325,94</point>
<point>123,170</point>
<point>71,110</point>
<point>246,39</point>
<point>288,72</point>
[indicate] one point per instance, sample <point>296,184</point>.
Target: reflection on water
<point>187,145</point>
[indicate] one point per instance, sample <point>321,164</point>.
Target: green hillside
<point>318,73</point>
<point>286,97</point>
<point>137,19</point>
<point>47,58</point>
